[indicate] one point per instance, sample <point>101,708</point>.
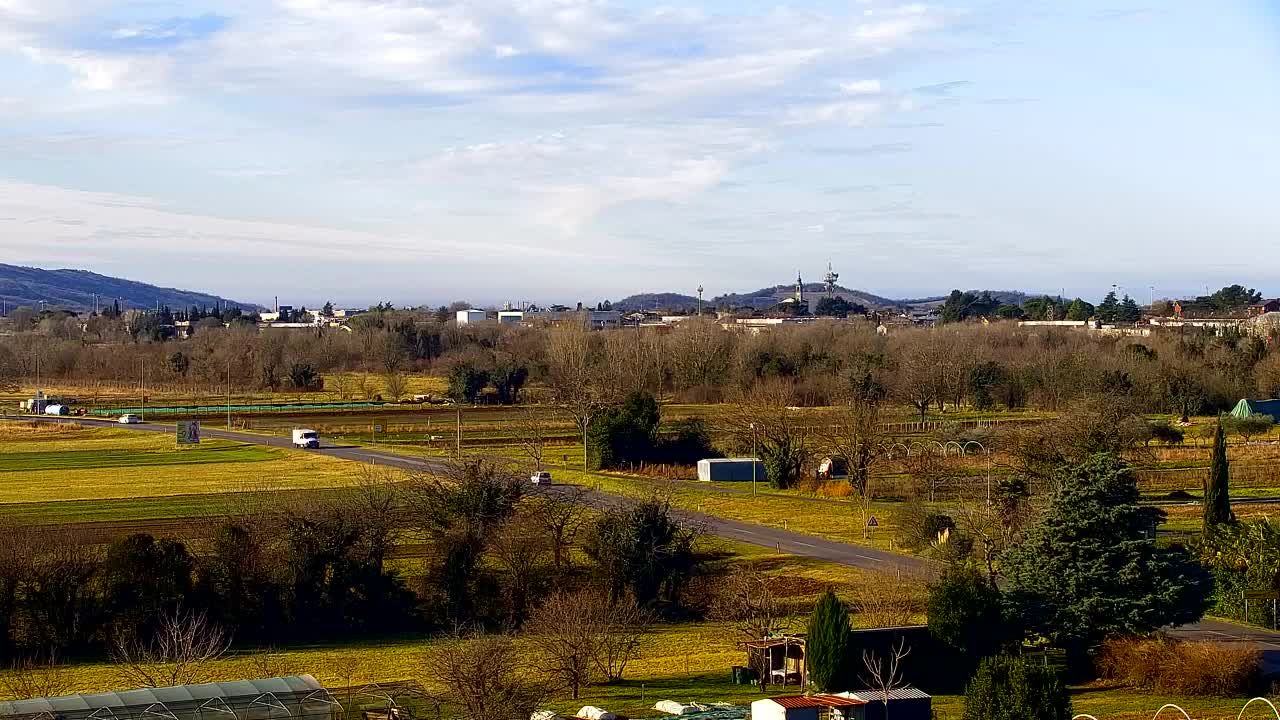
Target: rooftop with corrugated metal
<point>792,702</point>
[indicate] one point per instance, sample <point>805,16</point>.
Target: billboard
<point>188,432</point>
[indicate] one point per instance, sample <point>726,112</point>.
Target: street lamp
<point>754,458</point>
<point>228,394</point>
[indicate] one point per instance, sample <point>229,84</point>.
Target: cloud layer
<point>509,148</point>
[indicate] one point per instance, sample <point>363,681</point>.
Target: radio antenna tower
<point>831,279</point>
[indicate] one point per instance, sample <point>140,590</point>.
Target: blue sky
<point>556,150</point>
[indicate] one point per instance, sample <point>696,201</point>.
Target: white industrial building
<point>472,315</point>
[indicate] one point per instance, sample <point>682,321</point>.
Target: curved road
<point>782,540</point>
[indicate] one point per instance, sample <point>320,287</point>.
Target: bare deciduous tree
<point>573,373</point>
<point>854,435</point>
<point>746,598</point>
<point>885,674</point>
<point>184,645</point>
<point>483,677</point>
<point>529,430</point>
<point>394,383</point>
<point>561,517</point>
<point>927,468</point>
<point>36,677</point>
<point>582,634</point>
<point>520,550</point>
<point>268,662</point>
<point>885,602</point>
<point>765,418</point>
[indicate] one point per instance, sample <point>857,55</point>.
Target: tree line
<point>280,571</point>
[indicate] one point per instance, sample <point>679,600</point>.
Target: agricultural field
<point>65,471</point>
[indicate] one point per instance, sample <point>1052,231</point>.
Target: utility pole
<point>457,433</point>
<point>754,459</point>
<point>144,389</point>
<point>699,300</point>
<point>228,393</point>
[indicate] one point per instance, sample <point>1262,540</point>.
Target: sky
<point>421,151</point>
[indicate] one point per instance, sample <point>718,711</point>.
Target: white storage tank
<point>57,410</point>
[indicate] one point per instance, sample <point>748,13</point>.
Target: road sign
<point>380,425</point>
<point>872,522</point>
<point>1262,595</point>
<point>188,432</point>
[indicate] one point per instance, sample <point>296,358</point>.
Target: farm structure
<point>731,470</point>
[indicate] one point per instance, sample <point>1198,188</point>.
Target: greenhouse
<point>299,696</point>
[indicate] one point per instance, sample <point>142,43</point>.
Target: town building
<point>471,316</point>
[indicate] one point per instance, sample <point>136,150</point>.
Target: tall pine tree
<point>1089,570</point>
<point>827,644</point>
<point>1217,495</point>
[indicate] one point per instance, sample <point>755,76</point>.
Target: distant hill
<point>1011,297</point>
<point>74,290</point>
<point>768,297</point>
<point>657,301</point>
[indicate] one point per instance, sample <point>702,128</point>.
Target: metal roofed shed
<point>731,470</point>
<point>1245,408</point>
<point>298,696</point>
<point>807,707</point>
<point>905,703</point>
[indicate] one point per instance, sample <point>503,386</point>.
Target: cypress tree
<point>827,644</point>
<point>1217,496</point>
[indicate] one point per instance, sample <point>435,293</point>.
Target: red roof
<point>808,701</point>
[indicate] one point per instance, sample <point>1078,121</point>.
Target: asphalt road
<point>855,556</point>
<point>782,540</point>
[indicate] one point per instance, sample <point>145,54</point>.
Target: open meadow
<point>64,472</point>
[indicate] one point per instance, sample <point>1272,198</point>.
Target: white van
<point>304,439</point>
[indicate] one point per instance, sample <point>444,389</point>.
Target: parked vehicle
<point>305,439</point>
<point>542,477</point>
<point>129,420</point>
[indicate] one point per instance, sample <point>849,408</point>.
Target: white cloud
<point>861,87</point>
<point>67,223</point>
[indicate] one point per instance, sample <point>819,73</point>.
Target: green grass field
<point>93,465</point>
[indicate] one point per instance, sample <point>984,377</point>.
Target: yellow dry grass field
<point>104,463</point>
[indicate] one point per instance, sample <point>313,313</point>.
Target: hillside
<point>74,290</point>
<point>656,301</point>
<point>768,297</point>
<point>1011,297</point>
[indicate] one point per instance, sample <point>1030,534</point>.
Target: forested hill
<point>760,299</point>
<point>74,290</point>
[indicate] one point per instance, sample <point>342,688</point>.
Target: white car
<point>305,439</point>
<point>129,420</point>
<point>542,477</point>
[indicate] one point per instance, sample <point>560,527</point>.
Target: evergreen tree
<point>1010,688</point>
<point>327,310</point>
<point>1080,310</point>
<point>1109,310</point>
<point>827,644</point>
<point>1090,569</point>
<point>966,613</point>
<point>1217,495</point>
<point>1129,311</point>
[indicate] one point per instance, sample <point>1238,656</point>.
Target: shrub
<point>1166,666</point>
<point>1009,688</point>
<point>966,613</point>
<point>1165,432</point>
